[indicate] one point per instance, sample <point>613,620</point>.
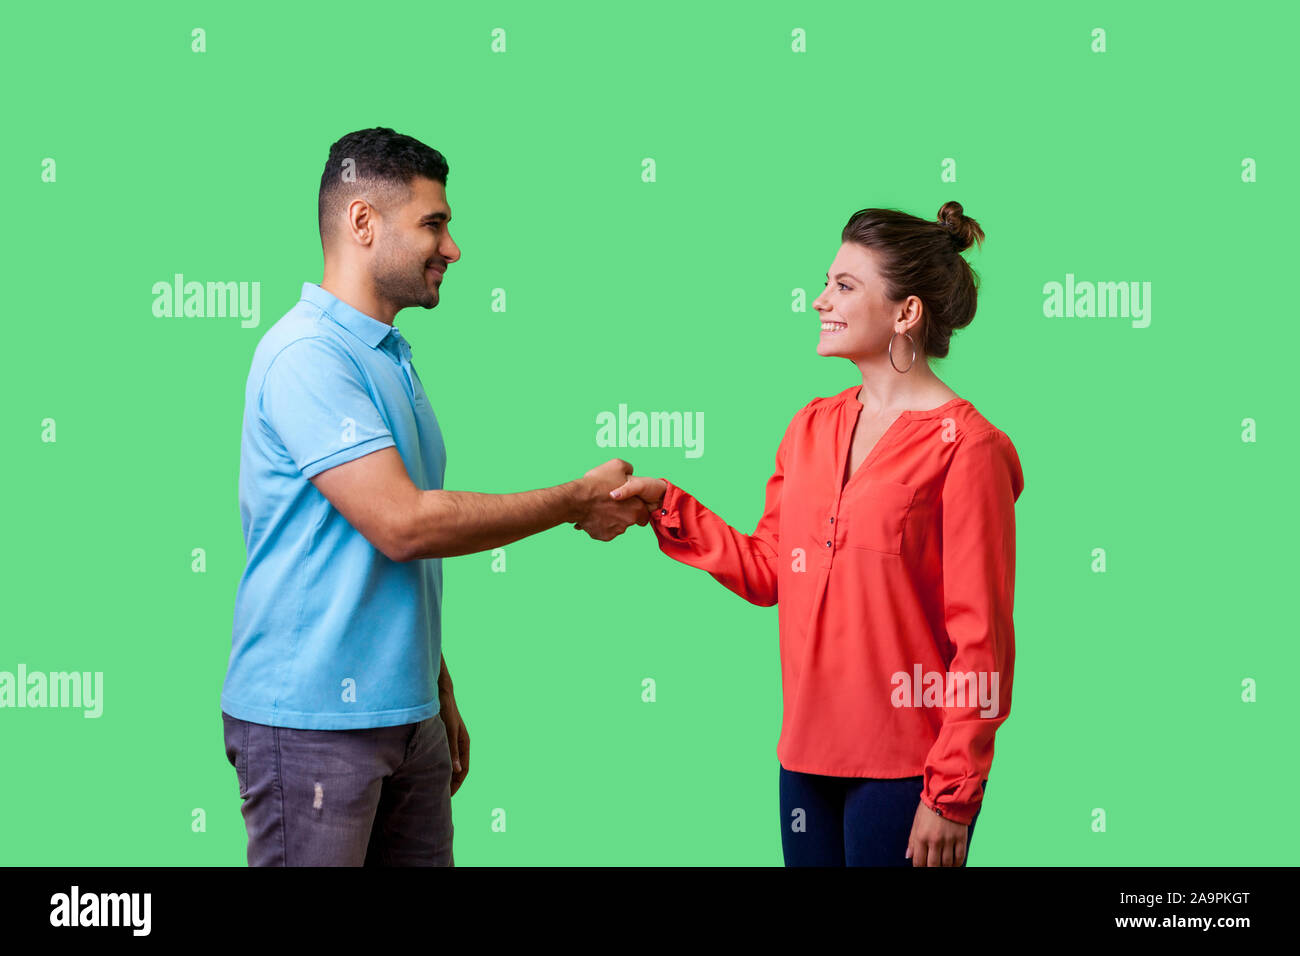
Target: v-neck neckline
<point>855,411</point>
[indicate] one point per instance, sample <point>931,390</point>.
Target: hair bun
<point>954,233</point>
<point>963,230</point>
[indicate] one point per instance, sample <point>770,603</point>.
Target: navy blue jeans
<point>849,821</point>
<point>375,796</point>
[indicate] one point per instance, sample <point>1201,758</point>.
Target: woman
<point>888,538</point>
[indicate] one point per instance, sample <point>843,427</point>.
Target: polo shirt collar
<point>368,330</point>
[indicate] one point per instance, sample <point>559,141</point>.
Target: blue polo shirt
<point>329,633</point>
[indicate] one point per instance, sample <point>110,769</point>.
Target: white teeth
<point>834,326</point>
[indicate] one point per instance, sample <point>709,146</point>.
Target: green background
<point>672,295</point>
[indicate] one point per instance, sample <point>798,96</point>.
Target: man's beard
<point>402,284</point>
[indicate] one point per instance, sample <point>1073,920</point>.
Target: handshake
<point>610,499</point>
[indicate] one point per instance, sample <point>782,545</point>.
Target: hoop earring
<point>891,352</point>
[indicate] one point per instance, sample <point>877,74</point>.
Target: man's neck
<point>360,294</point>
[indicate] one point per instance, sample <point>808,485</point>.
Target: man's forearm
<point>443,524</point>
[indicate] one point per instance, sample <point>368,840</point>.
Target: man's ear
<point>360,221</point>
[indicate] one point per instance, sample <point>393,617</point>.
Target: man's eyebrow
<point>429,217</point>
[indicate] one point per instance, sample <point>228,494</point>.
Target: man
<point>338,708</point>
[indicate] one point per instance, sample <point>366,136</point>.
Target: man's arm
<point>377,497</point>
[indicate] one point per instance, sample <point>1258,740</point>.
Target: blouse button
<point>828,544</point>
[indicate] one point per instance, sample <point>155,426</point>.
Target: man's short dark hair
<point>377,161</point>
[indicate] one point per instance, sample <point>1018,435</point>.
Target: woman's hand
<point>649,490</point>
<point>935,841</point>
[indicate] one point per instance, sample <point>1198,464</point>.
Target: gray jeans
<point>378,796</point>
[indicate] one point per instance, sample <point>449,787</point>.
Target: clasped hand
<point>605,516</point>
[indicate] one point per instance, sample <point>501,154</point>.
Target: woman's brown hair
<point>921,258</point>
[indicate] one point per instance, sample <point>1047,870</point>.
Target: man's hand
<point>457,736</point>
<point>649,490</point>
<point>603,517</point>
<point>935,841</point>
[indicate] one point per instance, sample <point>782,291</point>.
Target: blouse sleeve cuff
<point>667,518</point>
<point>950,812</point>
<point>957,810</point>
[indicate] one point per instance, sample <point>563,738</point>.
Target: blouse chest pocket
<point>879,516</point>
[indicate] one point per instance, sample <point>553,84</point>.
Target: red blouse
<point>895,592</point>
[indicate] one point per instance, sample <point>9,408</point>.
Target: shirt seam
<point>307,337</point>
<point>230,704</point>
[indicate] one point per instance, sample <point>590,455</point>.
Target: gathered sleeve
<point>744,563</point>
<point>984,480</point>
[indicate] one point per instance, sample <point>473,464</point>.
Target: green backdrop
<point>1168,158</point>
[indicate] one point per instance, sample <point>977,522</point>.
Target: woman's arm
<point>979,569</point>
<point>692,534</point>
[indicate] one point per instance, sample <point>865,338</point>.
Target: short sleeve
<point>315,400</point>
